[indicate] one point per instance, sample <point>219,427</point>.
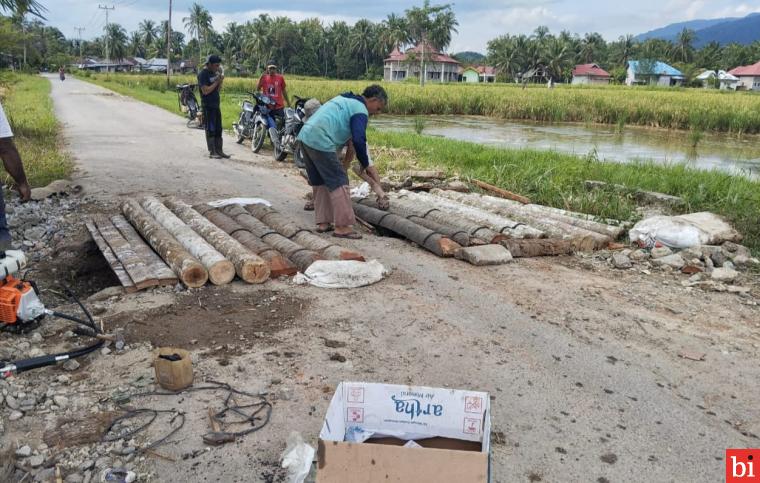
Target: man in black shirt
<point>210,82</point>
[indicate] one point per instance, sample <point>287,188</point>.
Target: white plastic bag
<point>342,274</point>
<point>683,231</point>
<point>238,201</point>
<point>361,191</point>
<point>297,458</point>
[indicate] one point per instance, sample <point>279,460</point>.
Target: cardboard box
<point>367,431</point>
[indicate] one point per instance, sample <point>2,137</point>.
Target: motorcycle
<point>295,117</point>
<point>189,104</point>
<point>252,122</point>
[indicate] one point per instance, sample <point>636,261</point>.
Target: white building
<point>439,67</point>
<point>748,77</point>
<point>726,81</point>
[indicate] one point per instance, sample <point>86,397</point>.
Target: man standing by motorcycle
<point>210,81</point>
<point>273,85</point>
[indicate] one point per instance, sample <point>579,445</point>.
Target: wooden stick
<point>189,270</point>
<point>248,266</point>
<point>500,192</point>
<point>156,266</point>
<point>110,257</point>
<point>278,264</point>
<point>220,270</point>
<point>133,264</point>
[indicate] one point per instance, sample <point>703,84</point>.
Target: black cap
<point>213,59</point>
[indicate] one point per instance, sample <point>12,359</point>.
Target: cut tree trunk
<point>301,236</point>
<point>189,270</point>
<point>302,257</point>
<point>132,263</point>
<point>220,270</point>
<point>425,174</point>
<point>110,257</point>
<point>158,267</point>
<point>278,264</point>
<point>424,237</point>
<point>248,266</point>
<point>538,247</point>
<point>582,239</point>
<point>497,222</point>
<point>500,192</point>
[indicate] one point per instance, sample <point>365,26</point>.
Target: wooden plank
<point>500,192</point>
<point>113,262</point>
<point>133,264</point>
<point>153,262</point>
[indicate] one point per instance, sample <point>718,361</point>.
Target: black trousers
<point>212,119</point>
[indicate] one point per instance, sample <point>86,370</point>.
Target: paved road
<point>583,369</point>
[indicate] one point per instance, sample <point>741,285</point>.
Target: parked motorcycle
<point>189,104</point>
<point>252,122</point>
<point>295,117</point>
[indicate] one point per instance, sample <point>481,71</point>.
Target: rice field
<point>26,101</point>
<point>672,108</point>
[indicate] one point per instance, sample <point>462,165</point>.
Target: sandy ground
<point>582,364</point>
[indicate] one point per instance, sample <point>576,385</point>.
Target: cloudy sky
<point>480,20</point>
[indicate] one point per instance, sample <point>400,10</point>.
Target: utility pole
<point>169,47</point>
<point>106,8</point>
<point>79,32</point>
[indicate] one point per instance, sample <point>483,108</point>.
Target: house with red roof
<point>477,73</point>
<point>437,66</point>
<point>590,74</point>
<point>749,77</point>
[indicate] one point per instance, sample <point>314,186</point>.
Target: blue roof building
<point>653,73</point>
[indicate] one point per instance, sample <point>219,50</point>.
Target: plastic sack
<point>238,201</point>
<point>361,191</point>
<point>683,231</point>
<point>297,458</point>
<point>342,274</point>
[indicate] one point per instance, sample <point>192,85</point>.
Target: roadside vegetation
<point>546,177</point>
<point>26,101</point>
<point>688,109</point>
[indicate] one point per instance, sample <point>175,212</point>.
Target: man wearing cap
<point>342,119</point>
<point>273,85</point>
<point>15,168</point>
<point>210,81</point>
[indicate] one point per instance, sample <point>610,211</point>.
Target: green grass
<point>673,108</point>
<point>546,177</point>
<point>27,103</point>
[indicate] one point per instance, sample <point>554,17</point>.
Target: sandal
<point>325,230</point>
<point>350,236</point>
<point>309,206</point>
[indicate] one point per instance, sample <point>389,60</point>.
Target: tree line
<point>339,50</point>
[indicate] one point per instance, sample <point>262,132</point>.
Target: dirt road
<point>582,365</point>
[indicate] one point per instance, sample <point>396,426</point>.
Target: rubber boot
<point>211,142</point>
<point>219,142</point>
<point>274,137</point>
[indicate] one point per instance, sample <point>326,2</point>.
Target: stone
<point>87,465</point>
<point>691,269</point>
<point>61,401</point>
<point>732,250</point>
<point>639,255</point>
<point>484,255</point>
<point>691,253</point>
<point>45,475</point>
<point>672,261</point>
<point>37,338</point>
<point>36,461</point>
<point>35,233</point>
<point>64,379</point>
<point>741,261</point>
<point>11,402</point>
<point>621,261</point>
<point>724,274</point>
<point>24,451</point>
<point>738,290</point>
<point>74,478</point>
<point>718,259</point>
<point>71,365</point>
<point>105,351</point>
<point>729,264</point>
<point>106,294</point>
<point>659,252</point>
<point>15,415</point>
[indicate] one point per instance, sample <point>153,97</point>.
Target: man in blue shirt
<point>342,119</point>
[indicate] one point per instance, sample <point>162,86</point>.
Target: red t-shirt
<point>273,86</point>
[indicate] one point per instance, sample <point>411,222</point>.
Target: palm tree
<point>362,40</point>
<point>590,46</point>
<point>117,41</point>
<point>136,47</point>
<point>626,45</point>
<point>149,31</point>
<point>394,33</point>
<point>683,46</point>
<point>257,42</point>
<point>557,55</point>
<point>198,25</point>
<point>23,7</point>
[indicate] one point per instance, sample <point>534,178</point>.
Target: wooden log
<point>538,247</point>
<point>300,235</point>
<point>156,266</point>
<point>132,263</point>
<point>301,256</point>
<point>426,211</point>
<point>424,237</point>
<point>220,270</point>
<point>500,192</point>
<point>188,269</point>
<point>458,235</point>
<point>642,197</point>
<point>278,264</point>
<point>425,174</point>
<point>497,222</point>
<point>249,267</point>
<point>582,239</point>
<point>113,262</point>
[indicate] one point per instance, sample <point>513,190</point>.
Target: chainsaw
<point>21,309</point>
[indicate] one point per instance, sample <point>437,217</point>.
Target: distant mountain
<point>743,30</point>
<point>469,57</point>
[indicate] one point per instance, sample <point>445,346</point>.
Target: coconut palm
<point>394,33</point>
<point>198,25</point>
<point>117,41</point>
<point>684,50</point>
<point>149,31</point>
<point>22,7</point>
<point>362,41</point>
<point>136,47</point>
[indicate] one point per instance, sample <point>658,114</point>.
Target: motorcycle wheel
<point>259,134</point>
<point>279,153</point>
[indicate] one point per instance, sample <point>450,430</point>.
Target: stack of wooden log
<point>199,244</point>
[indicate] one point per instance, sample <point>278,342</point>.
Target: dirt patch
<point>213,317</point>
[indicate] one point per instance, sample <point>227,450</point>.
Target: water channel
<point>713,151</point>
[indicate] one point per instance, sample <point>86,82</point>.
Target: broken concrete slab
<point>674,261</point>
<point>484,255</point>
<point>724,274</point>
<point>58,187</point>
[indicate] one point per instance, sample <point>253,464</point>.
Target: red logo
<point>742,466</point>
